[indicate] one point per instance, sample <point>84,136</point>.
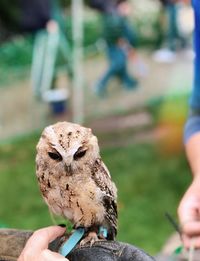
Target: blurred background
<point>123,68</point>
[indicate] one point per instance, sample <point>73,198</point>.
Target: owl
<point>74,181</point>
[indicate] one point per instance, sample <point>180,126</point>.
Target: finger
<point>188,209</point>
<point>191,228</point>
<point>48,255</point>
<point>189,242</point>
<point>42,237</point>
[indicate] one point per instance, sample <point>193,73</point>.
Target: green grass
<point>148,186</point>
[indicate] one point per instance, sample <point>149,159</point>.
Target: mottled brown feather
<point>74,181</point>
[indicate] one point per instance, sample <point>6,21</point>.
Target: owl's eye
<point>55,156</point>
<point>80,153</point>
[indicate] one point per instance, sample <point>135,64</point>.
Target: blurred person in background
<point>42,19</point>
<point>174,39</point>
<point>26,16</point>
<point>102,6</point>
<point>120,40</point>
<point>172,36</point>
<point>189,207</point>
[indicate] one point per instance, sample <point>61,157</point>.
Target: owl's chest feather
<point>80,201</point>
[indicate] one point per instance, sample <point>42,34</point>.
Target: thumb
<point>48,255</point>
<point>42,237</point>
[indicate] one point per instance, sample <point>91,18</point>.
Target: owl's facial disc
<point>80,153</point>
<point>55,156</point>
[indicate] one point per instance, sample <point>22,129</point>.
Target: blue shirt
<point>195,98</point>
<point>193,123</point>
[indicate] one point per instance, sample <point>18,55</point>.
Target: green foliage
<point>15,59</point>
<point>17,52</point>
<point>148,186</point>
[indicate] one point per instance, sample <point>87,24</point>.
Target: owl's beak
<point>68,169</point>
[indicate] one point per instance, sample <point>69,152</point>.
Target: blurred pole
<point>78,94</point>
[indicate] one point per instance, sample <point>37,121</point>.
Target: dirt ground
<point>21,113</point>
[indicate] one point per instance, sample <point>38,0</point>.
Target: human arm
<point>36,248</point>
<point>189,207</point>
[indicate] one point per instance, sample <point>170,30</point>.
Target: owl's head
<point>67,147</point>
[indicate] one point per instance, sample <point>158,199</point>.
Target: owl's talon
<point>91,238</point>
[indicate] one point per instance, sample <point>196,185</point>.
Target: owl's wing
<point>102,178</point>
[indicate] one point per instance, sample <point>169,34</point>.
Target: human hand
<point>36,248</point>
<point>52,26</point>
<point>189,215</point>
<point>124,8</point>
